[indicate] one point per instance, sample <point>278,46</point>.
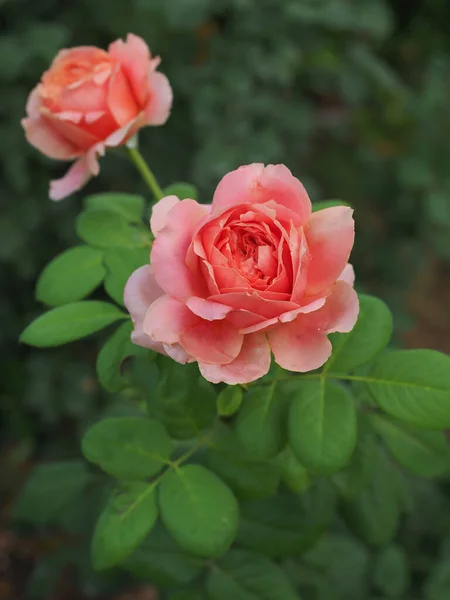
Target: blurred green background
<point>352,95</point>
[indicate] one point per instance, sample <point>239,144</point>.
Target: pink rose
<point>89,100</point>
<point>252,273</point>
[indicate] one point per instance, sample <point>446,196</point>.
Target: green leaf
<point>120,263</point>
<point>71,276</point>
<point>327,204</point>
<point>70,322</point>
<point>128,206</point>
<point>182,190</point>
<point>242,575</point>
<point>193,594</point>
<point>110,358</point>
<point>322,426</point>
<point>413,386</point>
<point>287,524</point>
<point>247,478</point>
<point>293,473</point>
<point>261,422</point>
<point>370,335</point>
<point>160,561</point>
<point>49,489</point>
<point>358,473</point>
<point>127,519</point>
<point>374,513</point>
<point>424,453</point>
<point>199,510</point>
<point>184,402</point>
<point>128,447</point>
<point>105,229</point>
<point>229,400</point>
<point>390,573</point>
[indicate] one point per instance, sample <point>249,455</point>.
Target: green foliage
<point>106,229</point>
<point>50,488</point>
<point>229,401</point>
<point>127,519</point>
<point>161,561</point>
<point>243,575</point>
<point>182,190</point>
<point>120,264</point>
<point>390,572</point>
<point>70,322</point>
<point>414,386</point>
<point>71,276</point>
<point>128,447</point>
<point>322,426</point>
<point>370,335</point>
<point>199,510</point>
<point>424,453</point>
<point>128,206</point>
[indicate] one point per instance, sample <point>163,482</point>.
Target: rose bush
<point>91,99</point>
<point>252,273</point>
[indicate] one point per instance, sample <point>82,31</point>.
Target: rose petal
<point>212,342</point>
<point>258,184</point>
<point>76,177</point>
<point>348,275</point>
<point>140,292</point>
<point>121,101</point>
<point>178,353</point>
<point>255,303</point>
<point>160,211</point>
<point>340,311</point>
<point>252,363</point>
<point>298,348</point>
<point>135,59</point>
<point>211,311</point>
<point>330,234</point>
<point>169,252</point>
<point>158,107</point>
<point>167,318</point>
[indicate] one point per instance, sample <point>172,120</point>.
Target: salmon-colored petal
<point>178,353</point>
<point>168,256</point>
<point>212,342</point>
<point>121,101</point>
<point>254,303</point>
<point>299,349</point>
<point>50,142</point>
<point>330,234</point>
<point>76,177</point>
<point>158,107</point>
<point>120,136</point>
<point>135,59</point>
<point>252,363</point>
<point>72,132</point>
<point>348,275</point>
<point>258,184</point>
<point>211,311</point>
<point>140,292</point>
<point>160,211</point>
<point>167,318</point>
<point>340,311</point>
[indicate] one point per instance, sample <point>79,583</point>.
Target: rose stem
<point>146,173</point>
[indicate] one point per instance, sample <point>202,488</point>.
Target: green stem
<point>146,172</point>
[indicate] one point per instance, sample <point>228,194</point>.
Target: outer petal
<point>210,311</point>
<point>330,234</point>
<point>135,59</point>
<point>297,348</point>
<point>76,177</point>
<point>340,311</point>
<point>158,107</point>
<point>258,184</point>
<point>213,342</point>
<point>348,275</point>
<point>160,211</point>
<point>120,136</point>
<point>167,318</point>
<point>252,363</point>
<point>42,135</point>
<point>170,248</point>
<point>140,292</point>
<point>121,101</point>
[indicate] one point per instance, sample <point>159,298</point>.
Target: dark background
<point>352,95</point>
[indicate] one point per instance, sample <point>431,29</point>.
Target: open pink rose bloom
<point>90,100</point>
<point>255,272</point>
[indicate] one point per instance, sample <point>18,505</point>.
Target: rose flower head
<point>91,99</point>
<point>254,273</point>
